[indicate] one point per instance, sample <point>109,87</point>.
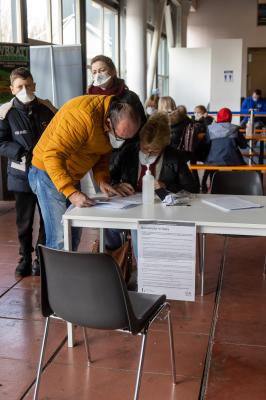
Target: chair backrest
<point>237,182</point>
<point>84,289</point>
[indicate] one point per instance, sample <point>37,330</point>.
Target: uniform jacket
<point>21,126</point>
<point>74,142</point>
<point>174,172</point>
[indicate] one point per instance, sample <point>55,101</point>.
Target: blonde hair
<point>152,101</point>
<point>156,131</point>
<point>166,104</point>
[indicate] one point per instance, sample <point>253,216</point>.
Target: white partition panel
<point>226,74</point>
<point>57,70</point>
<point>189,76</point>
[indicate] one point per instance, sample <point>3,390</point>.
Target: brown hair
<point>156,131</point>
<point>107,60</point>
<point>182,109</point>
<point>166,104</point>
<point>20,72</point>
<point>202,109</point>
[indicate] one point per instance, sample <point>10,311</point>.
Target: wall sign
<point>12,56</point>
<point>229,76</point>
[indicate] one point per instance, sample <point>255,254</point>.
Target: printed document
<point>230,203</point>
<point>167,259</point>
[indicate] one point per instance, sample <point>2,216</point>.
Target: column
<point>136,53</point>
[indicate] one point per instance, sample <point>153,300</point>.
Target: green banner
<point>12,55</point>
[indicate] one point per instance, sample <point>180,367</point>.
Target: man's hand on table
<point>109,190</point>
<point>79,199</point>
<point>124,189</point>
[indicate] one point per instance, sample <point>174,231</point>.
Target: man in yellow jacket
<point>80,137</point>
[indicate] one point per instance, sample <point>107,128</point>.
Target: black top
<point>175,173</point>
<point>20,130</point>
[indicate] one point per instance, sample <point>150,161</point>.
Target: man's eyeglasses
<point>118,138</point>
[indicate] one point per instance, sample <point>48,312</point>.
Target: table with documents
<point>208,220</point>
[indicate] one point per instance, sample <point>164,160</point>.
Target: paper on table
<point>167,259</point>
<point>230,203</point>
<point>118,202</point>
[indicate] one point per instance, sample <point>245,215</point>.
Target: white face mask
<point>115,143</point>
<point>198,116</point>
<point>101,79</point>
<point>25,97</point>
<point>150,110</point>
<point>145,159</point>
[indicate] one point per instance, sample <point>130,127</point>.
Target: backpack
<point>189,141</point>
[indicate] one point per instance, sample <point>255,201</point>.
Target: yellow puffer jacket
<point>74,142</point>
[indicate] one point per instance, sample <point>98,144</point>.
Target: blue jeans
<point>53,205</point>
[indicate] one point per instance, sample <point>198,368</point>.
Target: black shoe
<point>24,267</point>
<point>35,268</point>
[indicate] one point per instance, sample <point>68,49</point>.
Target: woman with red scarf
<point>105,80</point>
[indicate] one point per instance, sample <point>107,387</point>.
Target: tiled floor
<point>237,367</point>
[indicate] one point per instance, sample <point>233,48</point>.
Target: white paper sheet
<point>230,203</point>
<point>167,259</point>
<point>118,202</point>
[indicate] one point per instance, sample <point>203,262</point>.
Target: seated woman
<point>168,165</point>
<point>225,141</point>
<point>202,120</point>
<point>151,104</point>
<point>166,104</point>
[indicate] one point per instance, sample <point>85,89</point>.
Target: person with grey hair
<point>79,138</point>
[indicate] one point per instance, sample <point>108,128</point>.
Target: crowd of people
<point>109,132</point>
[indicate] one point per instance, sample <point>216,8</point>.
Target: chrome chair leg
<point>202,262</point>
<point>140,366</point>
<point>86,341</point>
<point>39,372</point>
<point>172,346</point>
<point>226,243</point>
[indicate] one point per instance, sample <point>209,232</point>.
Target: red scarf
<point>118,88</point>
<point>143,172</point>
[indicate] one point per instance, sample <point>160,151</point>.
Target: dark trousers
<point>25,209</point>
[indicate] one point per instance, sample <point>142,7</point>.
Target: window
<point>38,12</point>
<point>163,68</point>
<point>9,22</point>
<point>110,32</point>
<point>69,22</point>
<point>102,31</point>
<point>57,29</point>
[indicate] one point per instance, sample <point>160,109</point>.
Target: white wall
<point>226,56</point>
<point>217,19</point>
<point>189,76</point>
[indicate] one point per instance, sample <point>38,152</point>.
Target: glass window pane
<point>56,22</point>
<point>38,21</point>
<point>69,21</point>
<point>5,21</point>
<point>110,34</point>
<point>8,21</point>
<point>93,29</point>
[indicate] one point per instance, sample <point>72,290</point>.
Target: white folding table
<point>208,220</point>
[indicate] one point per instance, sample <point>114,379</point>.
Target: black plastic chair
<point>237,182</point>
<point>88,290</point>
<point>243,183</point>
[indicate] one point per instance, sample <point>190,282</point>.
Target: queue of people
<point>106,131</point>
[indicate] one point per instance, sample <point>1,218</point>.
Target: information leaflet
<point>167,259</point>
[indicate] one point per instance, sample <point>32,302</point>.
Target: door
<point>256,78</point>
